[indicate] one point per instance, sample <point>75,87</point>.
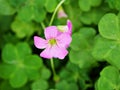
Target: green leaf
<point>9,54</point>
<point>50,5</point>
<point>93,16</point>
<point>82,58</point>
<point>40,14</point>
<point>86,5</point>
<point>20,65</point>
<point>24,47</point>
<point>16,3</point>
<point>39,3</point>
<point>5,86</point>
<point>72,73</point>
<point>72,10</point>
<point>81,47</point>
<point>114,4</point>
<point>5,24</point>
<point>103,48</point>
<point>109,46</point>
<point>23,29</point>
<point>109,79</point>
<point>67,86</point>
<point>108,50</point>
<point>33,10</point>
<point>64,74</point>
<point>95,3</point>
<point>16,54</point>
<point>33,62</point>
<point>6,70</point>
<point>40,85</point>
<point>18,78</point>
<point>29,13</point>
<point>32,74</point>
<point>80,40</point>
<point>87,32</point>
<point>6,8</point>
<point>26,13</point>
<point>109,26</point>
<point>7,38</point>
<point>114,57</point>
<point>45,73</point>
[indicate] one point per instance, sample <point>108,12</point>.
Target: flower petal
<point>51,32</point>
<point>54,51</point>
<point>64,40</point>
<point>69,24</point>
<point>46,53</point>
<point>61,13</point>
<point>58,52</point>
<point>39,42</point>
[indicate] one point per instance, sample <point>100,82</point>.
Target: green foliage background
<point>93,62</point>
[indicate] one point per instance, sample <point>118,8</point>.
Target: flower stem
<point>52,66</point>
<point>55,77</point>
<point>43,25</point>
<point>53,16</point>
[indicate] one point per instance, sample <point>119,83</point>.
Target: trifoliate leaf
<point>23,29</point>
<point>40,85</point>
<point>50,5</point>
<point>6,8</point>
<point>109,79</point>
<point>109,26</point>
<point>20,64</point>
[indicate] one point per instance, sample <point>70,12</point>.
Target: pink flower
<point>54,44</point>
<point>65,28</point>
<point>61,13</point>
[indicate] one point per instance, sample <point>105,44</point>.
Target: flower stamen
<point>52,41</point>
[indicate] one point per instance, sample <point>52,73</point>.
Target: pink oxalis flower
<point>65,28</point>
<point>61,13</point>
<point>56,43</point>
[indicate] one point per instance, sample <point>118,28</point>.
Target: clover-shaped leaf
<point>71,75</point>
<point>16,3</point>
<point>103,47</point>
<point>6,8</point>
<point>6,70</point>
<point>82,38</point>
<point>82,58</point>
<point>5,85</point>
<point>114,4</point>
<point>23,29</point>
<point>50,7</point>
<point>40,85</point>
<point>28,13</point>
<point>18,78</point>
<point>45,73</point>
<point>81,47</point>
<point>67,86</point>
<point>19,64</point>
<point>107,47</point>
<point>93,16</point>
<point>86,5</point>
<point>109,79</point>
<point>109,26</point>
<point>12,54</point>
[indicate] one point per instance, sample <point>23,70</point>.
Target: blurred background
<point>21,67</point>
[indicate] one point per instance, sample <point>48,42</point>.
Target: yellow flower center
<point>52,41</point>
